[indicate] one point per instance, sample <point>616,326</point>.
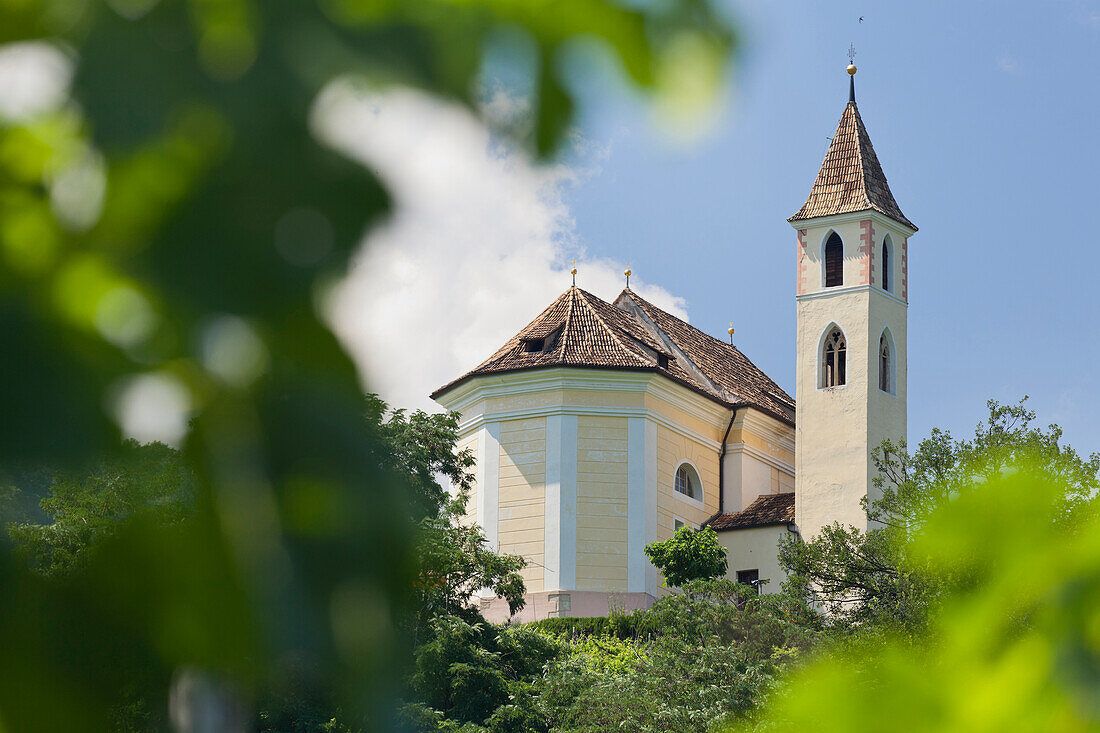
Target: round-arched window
<point>688,483</point>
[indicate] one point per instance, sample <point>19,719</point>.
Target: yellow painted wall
<point>601,503</point>
<point>762,443</point>
<point>672,449</point>
<point>782,482</point>
<point>712,430</point>
<point>521,524</point>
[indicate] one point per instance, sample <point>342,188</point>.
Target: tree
<point>421,448</point>
<point>454,563</point>
<point>83,507</point>
<point>467,672</point>
<point>870,577</point>
<point>942,468</point>
<point>691,661</point>
<point>688,555</point>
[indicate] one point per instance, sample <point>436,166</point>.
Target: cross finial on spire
<point>851,72</point>
<point>573,272</point>
<point>628,273</point>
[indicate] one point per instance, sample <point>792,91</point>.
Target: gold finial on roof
<point>730,332</point>
<point>573,272</point>
<point>628,273</point>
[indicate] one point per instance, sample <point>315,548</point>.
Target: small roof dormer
<point>851,178</point>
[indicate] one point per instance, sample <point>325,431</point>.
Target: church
<point>602,427</point>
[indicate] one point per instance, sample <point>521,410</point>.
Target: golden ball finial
<point>627,272</point>
<point>730,330</point>
<point>852,69</point>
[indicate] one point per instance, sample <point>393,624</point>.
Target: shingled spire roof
<point>851,178</point>
<point>581,330</point>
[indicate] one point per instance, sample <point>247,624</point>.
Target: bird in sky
<point>861,19</point>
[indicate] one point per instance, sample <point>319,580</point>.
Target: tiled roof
<point>767,510</point>
<point>851,178</point>
<point>579,329</point>
<point>720,368</point>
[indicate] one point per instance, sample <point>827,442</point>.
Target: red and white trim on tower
<point>802,258</point>
<point>867,253</point>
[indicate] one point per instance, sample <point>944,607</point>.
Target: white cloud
<point>477,245</point>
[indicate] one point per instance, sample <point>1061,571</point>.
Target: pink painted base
<point>551,604</point>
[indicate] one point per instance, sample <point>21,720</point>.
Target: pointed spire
<point>851,178</point>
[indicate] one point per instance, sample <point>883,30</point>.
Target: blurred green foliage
<point>1013,645</point>
<point>169,225</point>
<point>150,488</point>
<point>688,555</point>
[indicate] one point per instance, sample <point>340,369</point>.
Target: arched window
<point>834,360</point>
<point>688,483</point>
<point>884,364</point>
<point>886,284</point>
<point>834,261</point>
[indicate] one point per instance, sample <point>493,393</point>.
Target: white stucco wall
<point>755,549</point>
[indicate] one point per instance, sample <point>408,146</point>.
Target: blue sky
<point>986,118</point>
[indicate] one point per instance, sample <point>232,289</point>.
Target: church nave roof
<point>581,330</point>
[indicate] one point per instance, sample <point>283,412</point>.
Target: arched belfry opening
<point>887,358</point>
<point>887,281</point>
<point>834,261</point>
<point>834,359</point>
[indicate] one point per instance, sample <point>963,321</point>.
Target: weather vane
<point>573,272</point>
<point>628,273</point>
<point>852,72</point>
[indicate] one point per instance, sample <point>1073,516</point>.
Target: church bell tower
<point>852,296</point>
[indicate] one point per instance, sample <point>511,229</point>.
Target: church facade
<point>601,427</point>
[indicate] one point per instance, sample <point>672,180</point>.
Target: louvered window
<point>834,261</point>
<point>834,361</point>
